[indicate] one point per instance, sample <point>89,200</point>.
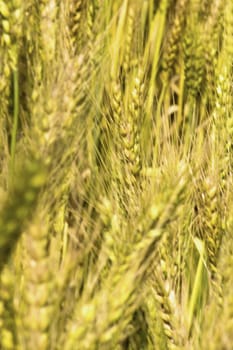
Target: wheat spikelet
<point>126,134</point>
<point>212,232</point>
<point>128,41</point>
<point>222,120</point>
<point>75,17</point>
<point>212,37</point>
<point>48,11</point>
<point>60,111</point>
<point>29,56</point>
<point>164,311</point>
<point>116,102</point>
<point>19,206</point>
<point>155,327</point>
<point>90,24</point>
<point>193,62</point>
<point>205,8</point>
<point>223,104</point>
<point>225,265</point>
<point>135,109</point>
<point>130,141</point>
<point>36,307</point>
<point>218,323</point>
<point>172,46</point>
<point>11,21</point>
<point>117,115</point>
<point>8,336</point>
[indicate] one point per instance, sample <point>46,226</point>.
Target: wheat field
<point>116,182</point>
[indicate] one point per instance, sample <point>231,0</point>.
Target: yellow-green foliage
<point>116,174</point>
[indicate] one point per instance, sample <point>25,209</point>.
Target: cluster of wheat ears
<point>116,156</point>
